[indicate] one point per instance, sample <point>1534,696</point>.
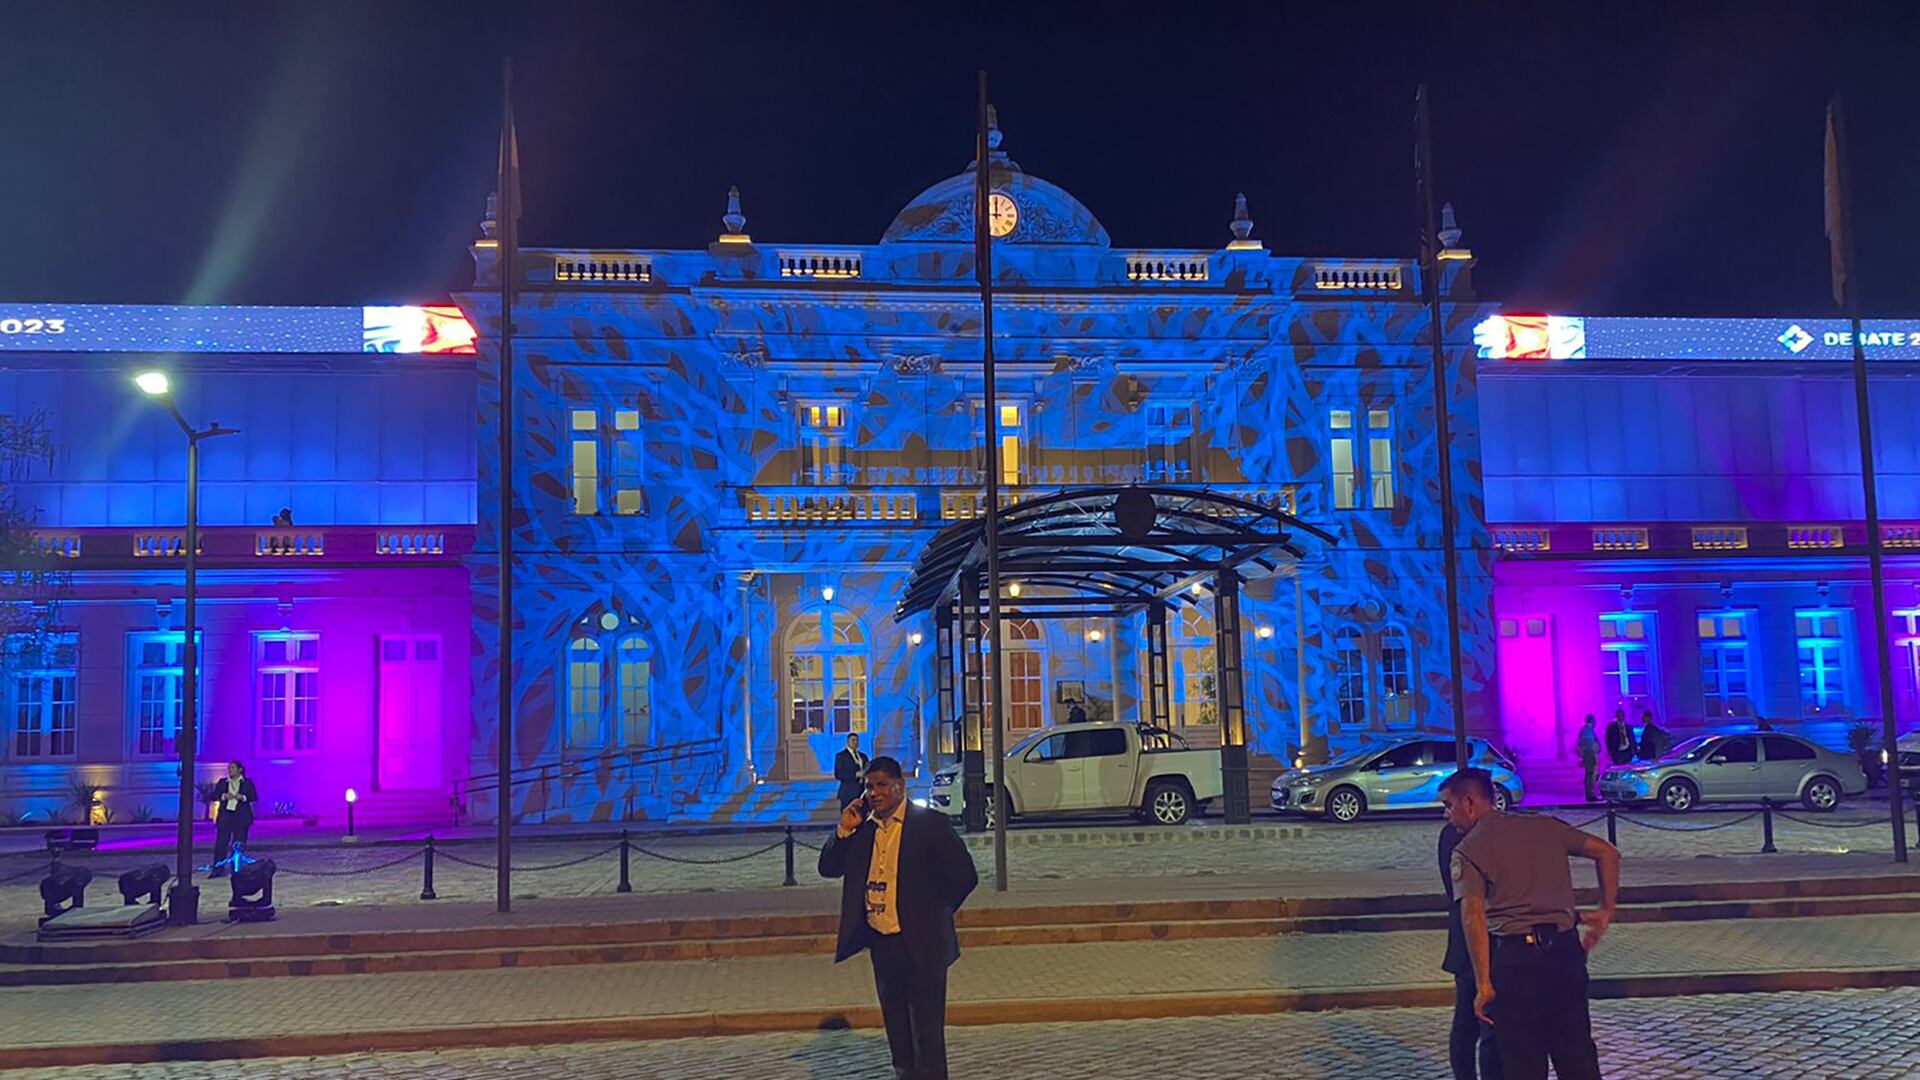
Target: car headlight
<point>1313,781</point>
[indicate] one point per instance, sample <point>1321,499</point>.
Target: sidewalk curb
<point>970,1014</point>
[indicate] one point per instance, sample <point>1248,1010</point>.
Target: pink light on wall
<point>1529,701</point>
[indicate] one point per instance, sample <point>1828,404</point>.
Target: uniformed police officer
<point>1528,945</point>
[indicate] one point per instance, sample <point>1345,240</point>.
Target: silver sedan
<point>1738,767</point>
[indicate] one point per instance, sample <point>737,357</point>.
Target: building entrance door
<point>408,713</point>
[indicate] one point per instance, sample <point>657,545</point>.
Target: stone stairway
<point>769,803</point>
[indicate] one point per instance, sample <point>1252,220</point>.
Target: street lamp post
<point>183,903</point>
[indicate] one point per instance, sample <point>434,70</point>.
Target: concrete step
<point>25,963</point>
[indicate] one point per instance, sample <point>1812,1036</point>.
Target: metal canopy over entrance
<point>1112,552</point>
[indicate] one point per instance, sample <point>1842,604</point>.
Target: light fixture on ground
<point>183,902</point>
<point>352,797</point>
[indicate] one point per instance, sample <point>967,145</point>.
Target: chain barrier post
<point>1613,828</point>
<point>426,881</point>
<point>626,848</point>
<point>1766,827</point>
<point>790,880</point>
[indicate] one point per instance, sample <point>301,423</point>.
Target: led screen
<point>141,328</point>
<point>1575,337</point>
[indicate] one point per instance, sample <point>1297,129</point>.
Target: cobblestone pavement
<point>1861,1035</point>
<point>263,1008</point>
<point>385,874</point>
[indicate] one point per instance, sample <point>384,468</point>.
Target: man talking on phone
<point>904,873</point>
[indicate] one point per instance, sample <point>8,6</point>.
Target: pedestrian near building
<point>1619,739</point>
<point>1471,1048</point>
<point>232,815</point>
<point>1589,747</point>
<point>904,872</point>
<point>1654,739</point>
<point>850,769</point>
<point>1527,944</point>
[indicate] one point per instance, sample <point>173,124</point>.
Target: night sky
<point>1611,158</point>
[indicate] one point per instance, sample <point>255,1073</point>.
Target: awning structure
<point>1109,551</point>
<point>1102,553</point>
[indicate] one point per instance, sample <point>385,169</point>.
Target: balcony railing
<point>229,545</point>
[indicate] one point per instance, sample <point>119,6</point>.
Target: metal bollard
<point>1766,827</point>
<point>626,881</point>
<point>1613,828</point>
<point>789,880</point>
<point>426,883</point>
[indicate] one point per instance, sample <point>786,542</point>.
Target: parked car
<point>1094,767</point>
<point>1738,767</point>
<point>1402,775</point>
<point>1909,768</point>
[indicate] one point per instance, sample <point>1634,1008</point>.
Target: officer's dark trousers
<point>913,1002</point>
<point>1540,1008</point>
<point>1470,1041</point>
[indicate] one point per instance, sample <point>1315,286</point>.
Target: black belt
<point>1545,934</point>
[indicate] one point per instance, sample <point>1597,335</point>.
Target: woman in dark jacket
<point>233,814</point>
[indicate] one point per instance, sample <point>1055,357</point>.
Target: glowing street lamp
<point>352,797</point>
<point>183,903</point>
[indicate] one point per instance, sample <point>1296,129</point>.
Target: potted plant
<point>1866,750</point>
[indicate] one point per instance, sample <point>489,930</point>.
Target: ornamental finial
<point>734,220</point>
<point>1449,229</point>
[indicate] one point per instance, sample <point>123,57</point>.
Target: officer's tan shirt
<point>1518,862</point>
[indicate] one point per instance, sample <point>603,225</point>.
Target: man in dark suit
<point>904,873</point>
<point>1468,1033</point>
<point>233,812</point>
<point>850,768</point>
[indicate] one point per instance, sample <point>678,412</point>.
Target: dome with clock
<point>1022,208</point>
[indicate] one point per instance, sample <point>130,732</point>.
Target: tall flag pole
<point>983,266</point>
<point>509,236</point>
<point>1839,215</point>
<point>1449,514</point>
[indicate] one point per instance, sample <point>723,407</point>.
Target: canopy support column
<point>1230,692</point>
<point>946,719</point>
<point>973,758</point>
<point>1159,673</point>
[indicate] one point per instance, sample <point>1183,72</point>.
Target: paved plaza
<point>1861,1035</point>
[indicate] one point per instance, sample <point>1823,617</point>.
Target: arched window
<point>1026,675</point>
<point>1197,704</point>
<point>826,674</point>
<point>609,684</point>
<point>1396,676</point>
<point>584,726</point>
<point>634,681</point>
<point>1350,676</point>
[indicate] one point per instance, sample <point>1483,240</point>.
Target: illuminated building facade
<point>728,459</point>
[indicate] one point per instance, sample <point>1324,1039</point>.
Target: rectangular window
<point>44,686</point>
<point>628,494</point>
<point>1026,689</point>
<point>823,444</point>
<point>1346,477</point>
<point>583,462</point>
<point>1169,442</point>
<point>1726,664</point>
<point>1380,457</point>
<point>807,683</point>
<point>1626,661</point>
<point>159,692</point>
<point>1821,635</point>
<point>288,667</point>
<point>1013,446</point>
<point>1906,659</point>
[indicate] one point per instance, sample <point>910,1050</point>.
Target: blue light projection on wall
<point>1576,337</point>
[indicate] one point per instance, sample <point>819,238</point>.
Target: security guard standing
<point>1528,945</point>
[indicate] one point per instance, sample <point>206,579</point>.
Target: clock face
<point>1002,214</point>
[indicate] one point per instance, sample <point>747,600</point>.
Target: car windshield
<point>1357,755</point>
<point>1688,750</point>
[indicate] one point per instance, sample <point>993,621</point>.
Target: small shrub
<point>144,815</point>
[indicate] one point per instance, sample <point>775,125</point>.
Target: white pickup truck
<point>1095,767</point>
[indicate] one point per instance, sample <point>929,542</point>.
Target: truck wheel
<point>1344,804</point>
<point>1169,804</point>
<point>991,803</point>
